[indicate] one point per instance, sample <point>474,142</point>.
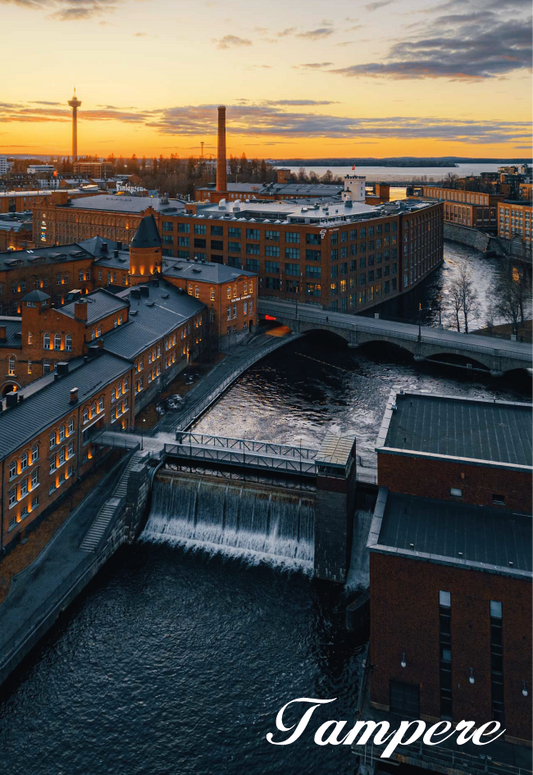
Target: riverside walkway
<point>494,355</point>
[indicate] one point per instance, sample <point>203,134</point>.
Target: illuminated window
<point>212,294</point>
<point>11,366</point>
<point>57,342</point>
<point>68,342</point>
<point>30,337</point>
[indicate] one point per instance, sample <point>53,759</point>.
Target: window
<point>200,228</point>
<point>24,488</point>
<point>313,271</point>
<point>272,235</point>
<point>71,426</point>
<point>498,500</point>
<point>292,269</point>
<point>252,234</point>
<point>445,652</point>
<point>233,231</point>
<point>24,461</point>
<point>252,264</point>
<point>184,228</point>
<point>68,343</point>
<point>312,239</point>
<point>11,366</point>
<point>495,609</point>
<point>61,433</point>
<point>292,253</point>
<point>12,497</point>
<point>35,479</point>
<point>217,231</point>
<point>272,250</point>
<point>292,236</point>
<point>272,267</point>
<point>30,337</point>
<point>184,242</point>
<point>445,599</point>
<point>46,342</point>
<point>496,661</point>
<point>57,342</point>
<point>12,469</point>
<point>455,492</point>
<point>234,247</point>
<point>312,255</point>
<point>252,250</point>
<point>52,440</point>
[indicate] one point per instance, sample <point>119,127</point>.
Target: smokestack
<point>222,177</point>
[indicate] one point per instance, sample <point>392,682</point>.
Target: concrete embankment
<point>112,515</point>
<point>487,243</point>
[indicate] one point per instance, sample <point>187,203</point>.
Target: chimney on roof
<point>74,396</point>
<point>222,173</point>
<point>80,310</point>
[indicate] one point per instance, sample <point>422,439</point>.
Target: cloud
<point>140,35</point>
<point>376,6</point>
<point>66,10</point>
<point>354,28</point>
<point>44,102</point>
<point>318,34</point>
<point>300,103</point>
<point>273,120</point>
<point>231,41</point>
<point>313,65</point>
<point>287,31</point>
<point>471,46</point>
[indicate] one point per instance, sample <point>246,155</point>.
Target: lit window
<point>57,342</point>
<point>11,366</point>
<point>445,599</point>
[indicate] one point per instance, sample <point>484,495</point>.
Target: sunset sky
<point>301,78</point>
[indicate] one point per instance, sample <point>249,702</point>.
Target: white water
<point>233,520</point>
<point>359,572</point>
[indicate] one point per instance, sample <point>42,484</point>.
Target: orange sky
<point>378,79</point>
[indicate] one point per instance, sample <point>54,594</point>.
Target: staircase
<point>104,517</point>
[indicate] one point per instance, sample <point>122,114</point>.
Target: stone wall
<point>467,236</point>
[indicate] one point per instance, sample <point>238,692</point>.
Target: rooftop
<point>20,424</point>
<point>11,259</point>
<point>286,189</point>
<point>13,326</point>
<point>128,204</point>
<point>198,270</point>
<point>38,192</point>
<point>100,304</point>
<point>331,213</point>
<point>147,235</point>
<point>458,428</point>
<point>151,318</point>
<point>488,539</point>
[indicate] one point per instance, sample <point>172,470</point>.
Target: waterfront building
<point>515,220</point>
<point>465,208</point>
<point>344,256</point>
<point>113,354</point>
<point>450,564</point>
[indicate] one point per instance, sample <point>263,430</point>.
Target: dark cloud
<point>461,46</point>
<point>67,10</point>
<point>319,34</point>
<point>273,119</point>
<point>287,31</point>
<point>231,41</point>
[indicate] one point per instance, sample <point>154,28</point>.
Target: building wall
<point>347,268</point>
<point>16,239</point>
<point>232,307</point>
<point>118,409</point>
<point>428,478</point>
<point>60,225</point>
<point>515,219</point>
<point>404,612</point>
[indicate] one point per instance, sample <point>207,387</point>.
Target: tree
<point>512,294</point>
<point>463,297</point>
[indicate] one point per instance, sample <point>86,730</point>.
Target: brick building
<point>16,231</point>
<point>450,564</point>
<point>113,354</point>
<point>515,219</point>
<point>22,201</point>
<point>90,282</point>
<point>466,208</point>
<point>111,216</point>
<point>93,169</point>
<point>345,256</point>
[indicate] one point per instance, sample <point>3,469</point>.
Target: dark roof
<point>36,295</point>
<point>104,250</point>
<point>20,424</point>
<point>100,303</point>
<point>13,328</point>
<point>286,189</point>
<point>150,319</point>
<point>52,254</point>
<point>457,531</point>
<point>491,431</point>
<point>147,234</point>
<point>208,272</point>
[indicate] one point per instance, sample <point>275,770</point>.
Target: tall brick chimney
<point>222,175</point>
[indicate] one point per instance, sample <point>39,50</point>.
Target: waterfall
<point>359,572</point>
<point>235,519</point>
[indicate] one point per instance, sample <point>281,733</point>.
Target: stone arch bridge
<point>438,345</point>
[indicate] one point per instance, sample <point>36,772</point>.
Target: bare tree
<point>512,293</point>
<point>454,303</point>
<point>463,297</point>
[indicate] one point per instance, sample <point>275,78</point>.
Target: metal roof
<point>207,272</point>
<point>147,235</point>
<point>13,326</point>
<point>491,431</point>
<point>335,450</point>
<point>127,204</point>
<point>53,254</point>
<point>100,303</point>
<point>151,318</point>
<point>457,531</point>
<point>20,424</point>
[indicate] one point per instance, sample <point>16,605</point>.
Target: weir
<point>240,519</point>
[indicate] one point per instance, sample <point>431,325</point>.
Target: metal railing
<point>294,465</point>
<point>245,445</point>
<point>356,324</point>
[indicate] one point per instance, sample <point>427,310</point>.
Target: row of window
<point>21,490</point>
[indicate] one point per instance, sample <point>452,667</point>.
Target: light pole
<point>420,321</point>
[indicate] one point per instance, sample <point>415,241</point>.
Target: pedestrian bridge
<point>434,344</point>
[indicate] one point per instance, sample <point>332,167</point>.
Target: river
<point>176,661</point>
<point>390,174</point>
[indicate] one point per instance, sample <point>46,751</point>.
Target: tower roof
<point>36,296</point>
<point>147,234</point>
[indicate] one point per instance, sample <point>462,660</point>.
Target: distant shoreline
<point>444,162</point>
